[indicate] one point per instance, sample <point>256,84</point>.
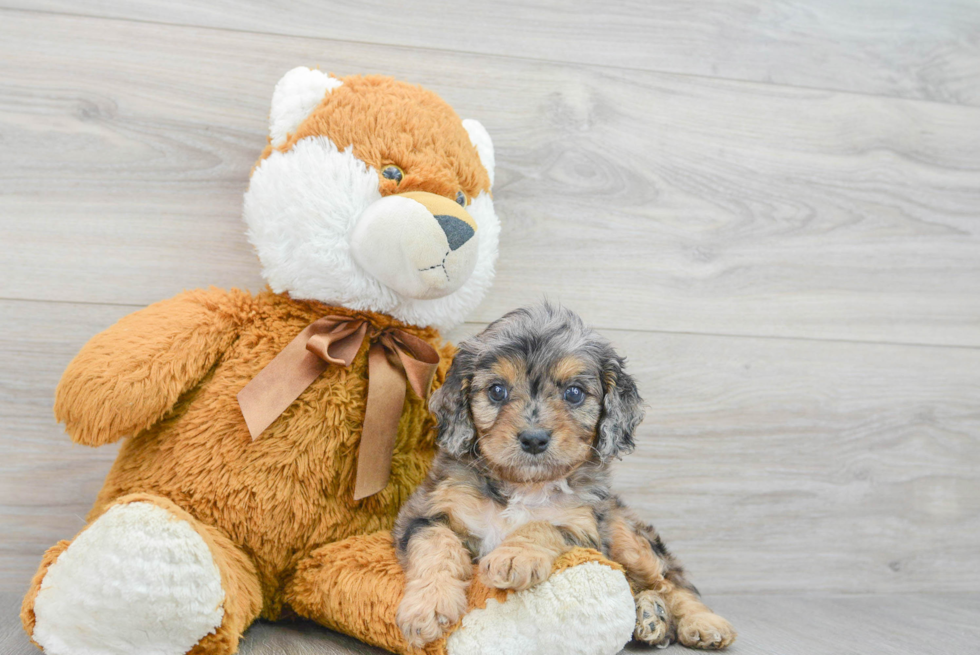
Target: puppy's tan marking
<point>507,369</point>
<point>461,503</point>
<point>568,368</point>
<point>644,568</point>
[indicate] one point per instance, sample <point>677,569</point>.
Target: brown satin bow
<point>336,340</point>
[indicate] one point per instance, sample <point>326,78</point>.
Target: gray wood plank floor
<point>771,624</point>
<point>918,49</point>
<point>748,209</point>
<point>773,209</point>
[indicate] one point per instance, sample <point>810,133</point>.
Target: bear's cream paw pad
<point>583,610</point>
<point>138,580</point>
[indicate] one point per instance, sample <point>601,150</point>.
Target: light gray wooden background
<point>773,208</point>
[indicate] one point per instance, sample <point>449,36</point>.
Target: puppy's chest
<point>491,522</point>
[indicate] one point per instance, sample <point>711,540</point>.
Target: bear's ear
<point>484,146</point>
<point>297,94</point>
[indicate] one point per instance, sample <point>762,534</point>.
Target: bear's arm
<point>128,377</point>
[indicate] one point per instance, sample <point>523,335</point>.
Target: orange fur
<point>168,375</point>
<point>129,376</point>
<point>389,122</point>
<point>277,513</point>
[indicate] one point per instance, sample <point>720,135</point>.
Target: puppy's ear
<point>622,409</point>
<point>451,405</point>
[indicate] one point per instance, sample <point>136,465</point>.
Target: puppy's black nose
<point>534,441</point>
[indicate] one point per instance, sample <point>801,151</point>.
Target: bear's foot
<point>586,609</point>
<point>142,578</point>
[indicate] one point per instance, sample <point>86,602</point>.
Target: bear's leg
<point>355,586</point>
<point>144,577</point>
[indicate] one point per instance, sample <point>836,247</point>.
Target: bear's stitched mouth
<point>441,265</point>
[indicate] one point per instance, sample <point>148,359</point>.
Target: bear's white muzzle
<point>420,245</point>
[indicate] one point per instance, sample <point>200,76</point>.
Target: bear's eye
<point>392,173</point>
<point>461,198</point>
<point>574,395</point>
<point>497,393</point>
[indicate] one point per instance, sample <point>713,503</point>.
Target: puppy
<point>531,413</point>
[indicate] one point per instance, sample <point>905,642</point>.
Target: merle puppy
<point>533,410</point>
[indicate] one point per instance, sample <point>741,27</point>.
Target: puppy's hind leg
<point>658,582</point>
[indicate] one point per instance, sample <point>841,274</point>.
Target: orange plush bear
<point>271,438</point>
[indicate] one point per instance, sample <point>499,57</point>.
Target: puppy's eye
<point>497,393</point>
<point>392,173</point>
<point>461,198</point>
<point>574,395</point>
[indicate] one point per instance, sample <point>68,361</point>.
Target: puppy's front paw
<point>425,613</point>
<point>515,567</point>
<point>705,630</point>
<point>652,620</point>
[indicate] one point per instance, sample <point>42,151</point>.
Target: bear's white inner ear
<point>297,94</point>
<point>484,145</point>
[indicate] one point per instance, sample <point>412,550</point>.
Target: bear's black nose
<point>457,232</point>
<point>534,441</point>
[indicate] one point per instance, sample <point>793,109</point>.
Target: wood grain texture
<point>792,268</point>
<point>784,624</point>
<point>47,483</point>
<point>767,464</point>
<point>927,50</point>
<point>651,201</point>
<point>771,624</point>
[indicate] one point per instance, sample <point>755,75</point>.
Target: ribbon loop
<point>337,340</point>
<point>418,358</point>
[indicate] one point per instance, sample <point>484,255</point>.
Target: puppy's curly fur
<point>530,415</point>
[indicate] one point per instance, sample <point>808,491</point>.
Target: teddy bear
<point>270,438</point>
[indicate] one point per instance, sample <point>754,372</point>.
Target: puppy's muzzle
<point>418,244</point>
<point>534,441</point>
